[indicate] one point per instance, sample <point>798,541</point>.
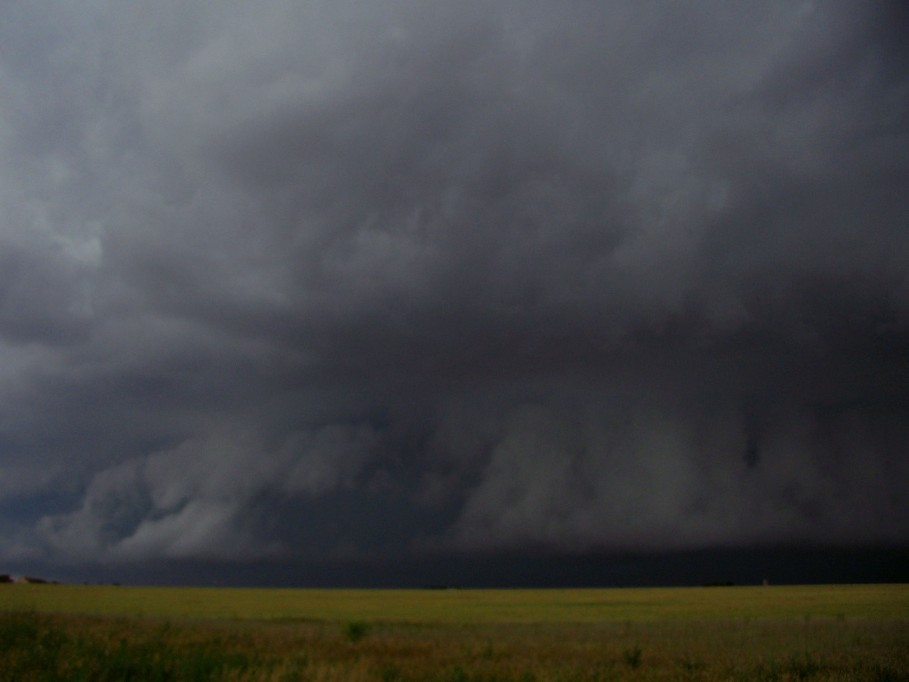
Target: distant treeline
<point>6,578</point>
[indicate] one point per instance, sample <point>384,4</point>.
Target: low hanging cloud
<point>329,280</point>
<point>195,500</point>
<point>664,478</point>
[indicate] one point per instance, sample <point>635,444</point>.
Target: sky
<point>469,283</point>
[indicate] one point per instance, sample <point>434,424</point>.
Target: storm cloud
<point>328,280</point>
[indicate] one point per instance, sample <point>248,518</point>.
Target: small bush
<point>691,665</point>
<point>632,656</point>
<point>355,631</point>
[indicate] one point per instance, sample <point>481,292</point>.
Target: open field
<point>747,633</point>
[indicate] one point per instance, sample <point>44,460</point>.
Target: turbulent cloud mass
<point>296,281</point>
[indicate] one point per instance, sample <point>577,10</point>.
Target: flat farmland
<point>840,632</point>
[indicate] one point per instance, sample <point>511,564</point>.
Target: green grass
<point>466,606</point>
<point>821,634</point>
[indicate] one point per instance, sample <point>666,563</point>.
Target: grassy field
<point>724,633</point>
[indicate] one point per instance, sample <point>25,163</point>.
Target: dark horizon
<point>692,568</point>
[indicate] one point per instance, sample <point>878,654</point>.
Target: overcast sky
<point>291,281</point>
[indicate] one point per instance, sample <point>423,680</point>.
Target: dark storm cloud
<point>324,280</point>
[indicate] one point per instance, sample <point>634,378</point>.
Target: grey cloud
<point>644,476</point>
<point>195,499</point>
<point>459,275</point>
<point>43,296</point>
